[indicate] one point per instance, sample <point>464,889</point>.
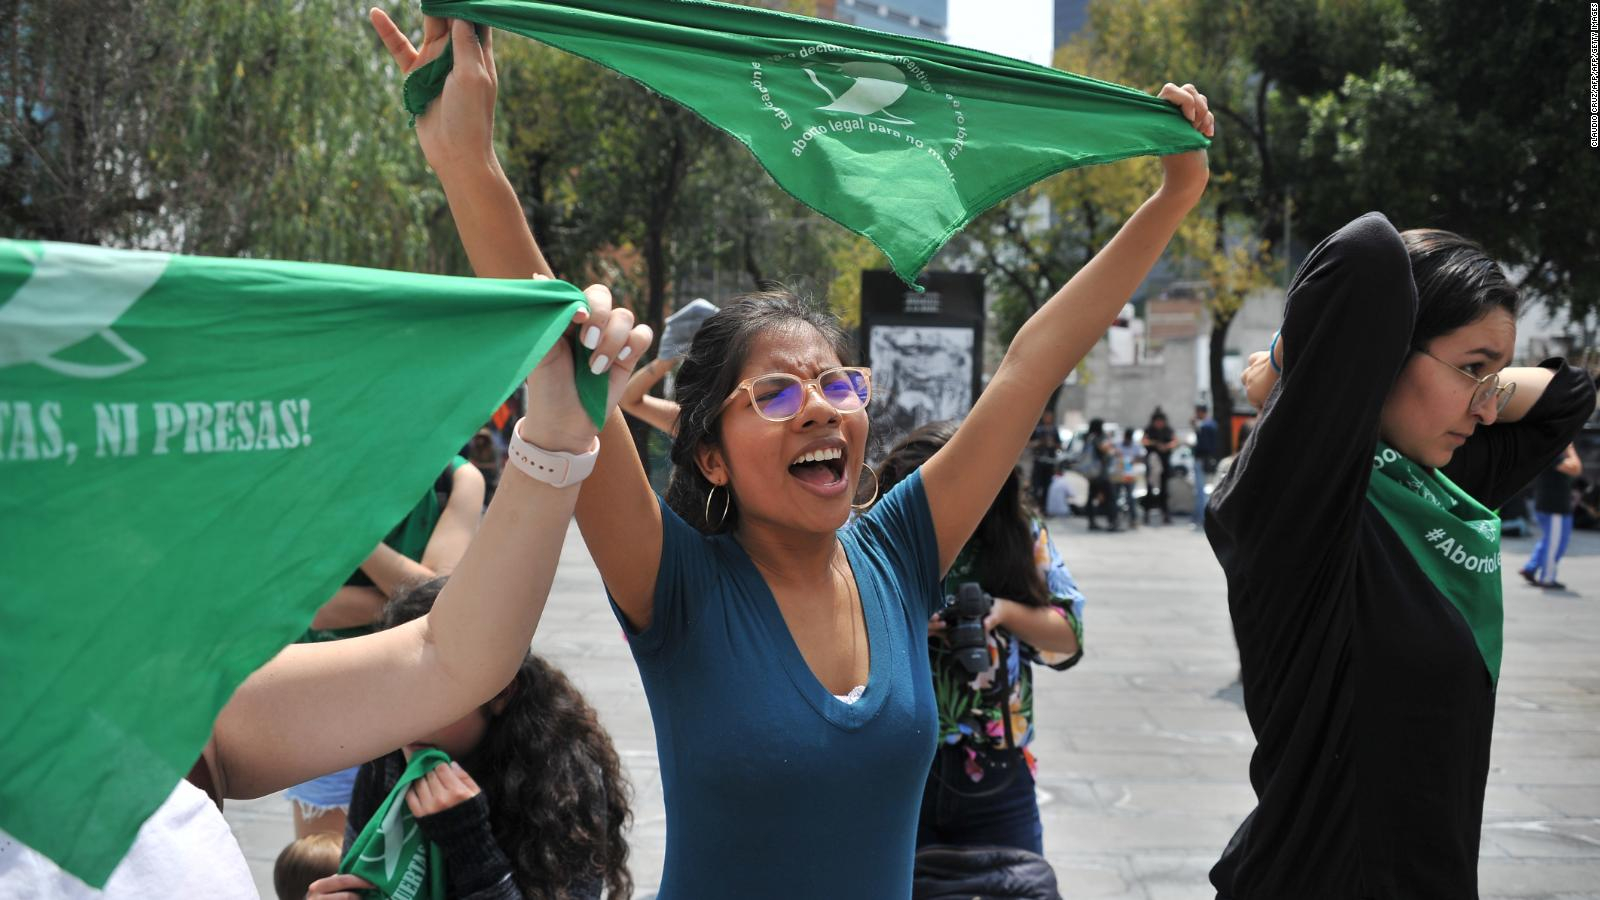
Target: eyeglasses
<point>780,396</point>
<point>1489,393</point>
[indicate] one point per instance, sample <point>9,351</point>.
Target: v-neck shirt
<point>773,786</point>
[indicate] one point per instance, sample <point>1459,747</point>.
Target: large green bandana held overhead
<point>899,139</point>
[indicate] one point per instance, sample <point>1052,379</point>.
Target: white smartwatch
<point>552,467</point>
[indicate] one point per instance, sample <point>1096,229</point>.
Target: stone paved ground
<point>1143,748</point>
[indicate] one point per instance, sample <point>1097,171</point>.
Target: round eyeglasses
<point>779,397</point>
<point>1489,393</point>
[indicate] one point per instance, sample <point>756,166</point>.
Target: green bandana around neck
<point>1453,537</point>
<point>391,852</point>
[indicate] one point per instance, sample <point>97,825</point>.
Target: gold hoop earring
<point>874,498</point>
<point>727,502</point>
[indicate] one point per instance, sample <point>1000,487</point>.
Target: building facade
<point>915,18</point>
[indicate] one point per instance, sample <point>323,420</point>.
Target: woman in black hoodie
<point>1363,563</point>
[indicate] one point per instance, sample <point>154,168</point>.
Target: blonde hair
<point>304,861</point>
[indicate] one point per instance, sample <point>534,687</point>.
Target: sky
<point>1019,28</point>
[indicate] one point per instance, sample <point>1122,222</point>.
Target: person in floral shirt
<point>980,789</point>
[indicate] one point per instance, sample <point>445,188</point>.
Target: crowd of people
<point>1102,479</point>
<point>839,656</point>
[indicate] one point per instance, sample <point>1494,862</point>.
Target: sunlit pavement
<point>1143,747</point>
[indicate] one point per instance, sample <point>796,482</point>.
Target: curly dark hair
<point>707,377</point>
<point>558,800</point>
<point>1003,542</point>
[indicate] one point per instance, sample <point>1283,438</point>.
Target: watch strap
<point>552,467</point>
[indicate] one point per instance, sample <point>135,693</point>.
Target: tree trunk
<point>658,216</point>
<point>655,261</point>
<point>1221,395</point>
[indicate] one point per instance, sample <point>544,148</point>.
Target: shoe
<point>1094,527</point>
<point>1552,585</point>
<point>1527,575</point>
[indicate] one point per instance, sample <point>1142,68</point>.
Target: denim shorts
<point>325,792</point>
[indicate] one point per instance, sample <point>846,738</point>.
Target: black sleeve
<point>474,866</point>
<point>1296,490</point>
<point>1500,460</point>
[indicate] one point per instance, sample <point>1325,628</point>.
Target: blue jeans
<point>1001,810</point>
<point>1554,531</point>
<point>1198,517</point>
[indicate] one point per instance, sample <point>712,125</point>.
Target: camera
<point>964,613</point>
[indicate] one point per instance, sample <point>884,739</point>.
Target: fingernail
<point>598,363</point>
<point>591,337</point>
<point>624,353</point>
<point>456,766</point>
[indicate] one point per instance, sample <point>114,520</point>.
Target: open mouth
<point>823,467</point>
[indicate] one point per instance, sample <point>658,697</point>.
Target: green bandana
<point>1453,538</point>
<point>391,851</point>
<point>900,139</point>
<point>194,454</point>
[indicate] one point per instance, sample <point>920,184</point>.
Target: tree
<point>265,129</point>
<point>1033,243</point>
<point>1477,124</point>
<point>1255,60</point>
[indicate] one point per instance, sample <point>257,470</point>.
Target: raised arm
<point>1550,404</point>
<point>659,413</point>
<point>618,513</point>
<point>457,138</point>
<point>458,522</point>
<point>317,708</point>
<point>392,570</point>
<point>963,478</point>
<point>1536,429</point>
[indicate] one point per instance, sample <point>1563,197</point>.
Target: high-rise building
<point>917,18</point>
<point>1071,15</point>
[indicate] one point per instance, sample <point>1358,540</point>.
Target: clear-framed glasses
<point>779,397</point>
<point>1489,393</point>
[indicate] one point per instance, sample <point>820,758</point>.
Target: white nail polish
<point>598,363</point>
<point>624,353</point>
<point>591,337</point>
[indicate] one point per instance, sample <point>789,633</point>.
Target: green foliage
<point>1477,125</point>
<point>264,129</point>
<point>1033,243</point>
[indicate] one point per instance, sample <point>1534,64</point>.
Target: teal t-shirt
<point>775,788</point>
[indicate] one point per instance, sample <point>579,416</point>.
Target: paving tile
<point>1142,752</point>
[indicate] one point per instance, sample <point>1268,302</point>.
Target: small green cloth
<point>1453,537</point>
<point>391,852</point>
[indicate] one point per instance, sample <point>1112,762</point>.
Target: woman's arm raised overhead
<point>657,412</point>
<point>618,513</point>
<point>962,478</point>
<point>317,708</point>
